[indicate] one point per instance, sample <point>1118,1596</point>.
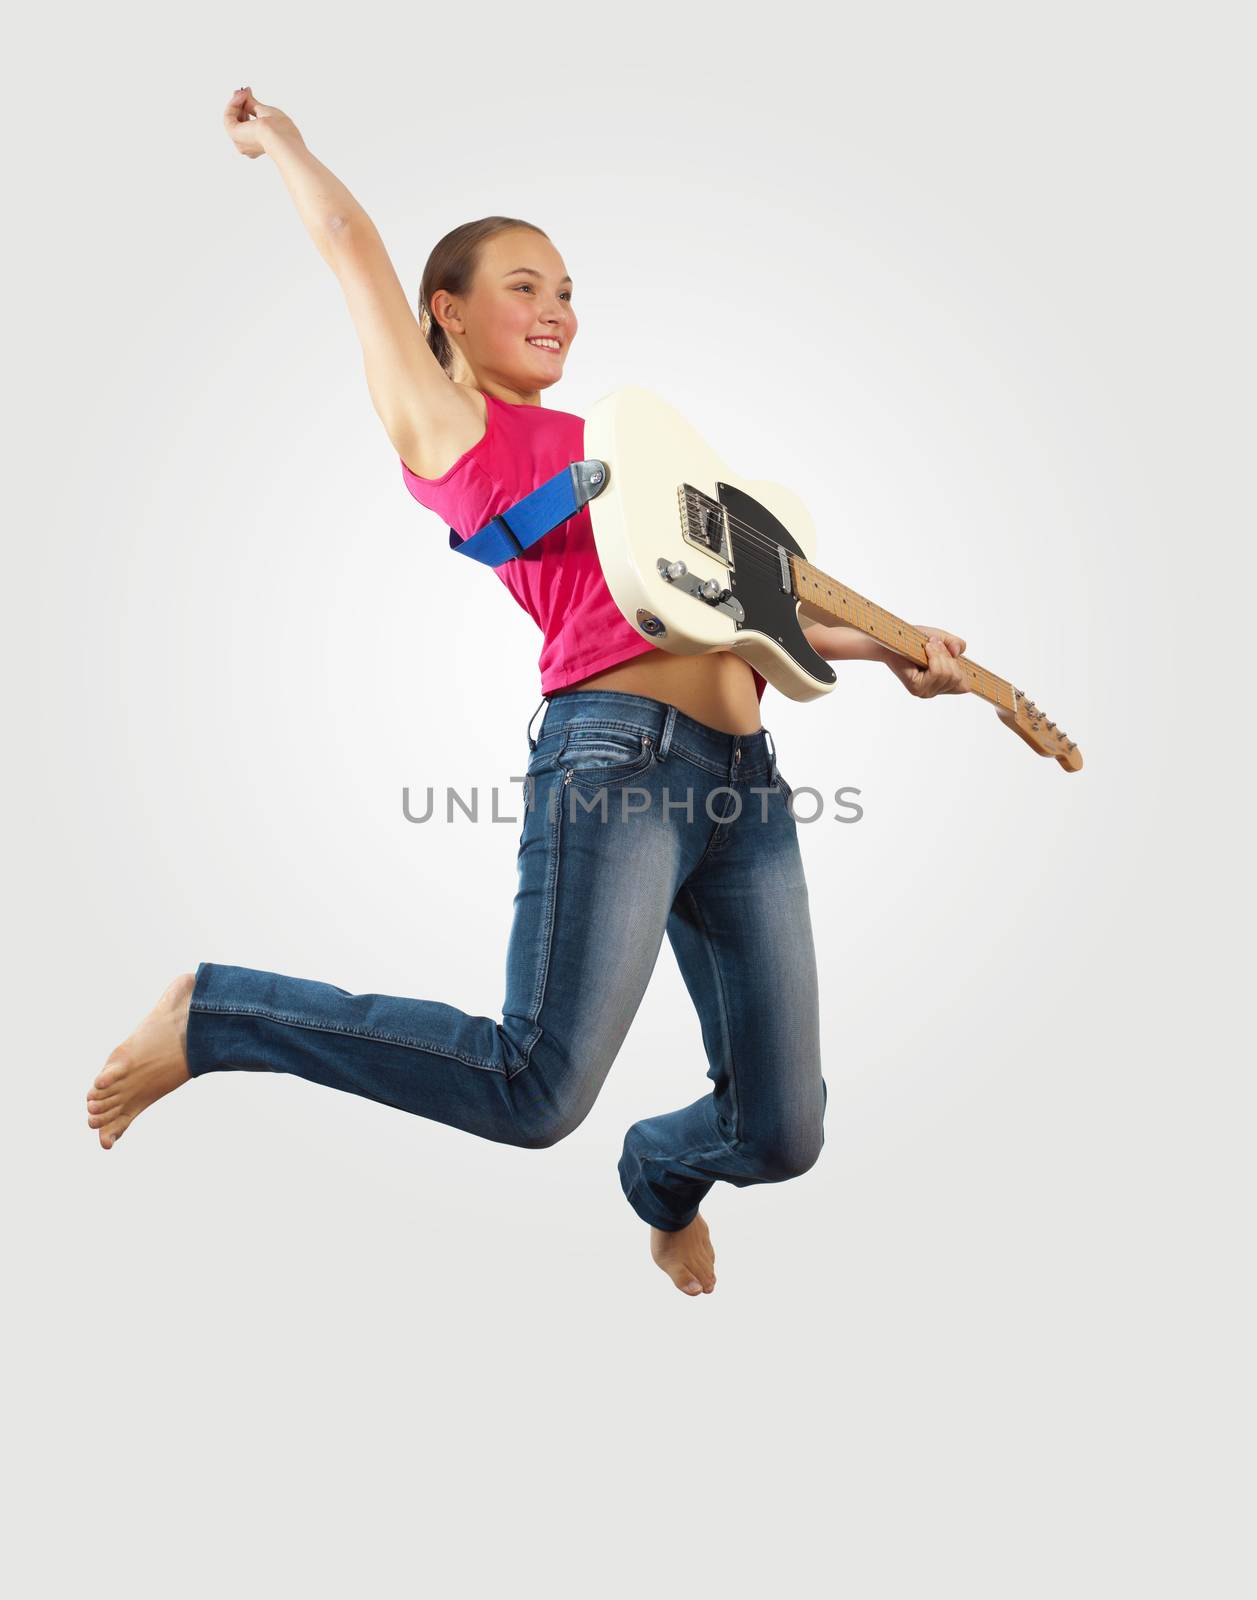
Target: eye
<point>567,293</point>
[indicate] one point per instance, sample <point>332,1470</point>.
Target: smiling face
<point>518,311</point>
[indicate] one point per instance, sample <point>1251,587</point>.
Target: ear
<point>446,311</point>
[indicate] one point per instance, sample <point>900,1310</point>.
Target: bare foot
<point>149,1064</point>
<point>686,1256</point>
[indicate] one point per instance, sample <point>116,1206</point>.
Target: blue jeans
<point>638,820</point>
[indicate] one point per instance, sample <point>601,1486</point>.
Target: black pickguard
<point>756,580</point>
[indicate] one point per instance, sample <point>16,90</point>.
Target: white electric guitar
<point>699,559</point>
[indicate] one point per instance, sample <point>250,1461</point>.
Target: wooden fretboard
<point>828,600</point>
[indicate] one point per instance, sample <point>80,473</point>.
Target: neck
<point>513,397</point>
<point>500,391</point>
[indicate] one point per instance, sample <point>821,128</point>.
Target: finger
<point>949,639</point>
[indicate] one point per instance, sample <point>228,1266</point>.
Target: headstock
<point>1040,732</point>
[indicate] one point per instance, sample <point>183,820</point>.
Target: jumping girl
<point>458,392</point>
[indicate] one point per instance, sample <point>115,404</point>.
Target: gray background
<point>975,282</point>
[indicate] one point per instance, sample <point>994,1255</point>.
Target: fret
<point>819,592</point>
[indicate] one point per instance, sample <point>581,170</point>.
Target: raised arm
<point>415,399</point>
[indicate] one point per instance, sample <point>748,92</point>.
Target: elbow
<point>347,223</point>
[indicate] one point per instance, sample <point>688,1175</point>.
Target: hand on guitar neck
<point>942,674</point>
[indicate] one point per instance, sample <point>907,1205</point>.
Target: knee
<point>789,1155</point>
<point>552,1096</point>
<point>802,1150</point>
<point>545,1128</point>
<point>793,1160</point>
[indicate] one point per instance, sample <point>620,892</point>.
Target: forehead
<point>521,249</point>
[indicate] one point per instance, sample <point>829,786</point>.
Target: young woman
<point>708,852</point>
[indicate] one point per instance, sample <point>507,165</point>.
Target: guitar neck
<point>827,600</point>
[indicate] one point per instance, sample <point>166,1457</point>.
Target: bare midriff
<point>717,689</point>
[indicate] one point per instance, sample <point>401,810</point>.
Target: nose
<point>554,320</point>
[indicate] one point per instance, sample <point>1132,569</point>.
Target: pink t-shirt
<point>559,580</point>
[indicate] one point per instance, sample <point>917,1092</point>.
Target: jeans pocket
<point>600,757</point>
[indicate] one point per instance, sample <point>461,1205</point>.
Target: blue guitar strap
<point>512,532</point>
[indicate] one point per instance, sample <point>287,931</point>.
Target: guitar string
<point>763,551</point>
<point>766,548</point>
<point>760,544</point>
<point>977,674</point>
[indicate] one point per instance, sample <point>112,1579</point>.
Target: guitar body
<point>673,517</point>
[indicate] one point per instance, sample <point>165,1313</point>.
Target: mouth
<point>546,343</point>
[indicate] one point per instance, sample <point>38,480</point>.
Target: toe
<point>113,1129</point>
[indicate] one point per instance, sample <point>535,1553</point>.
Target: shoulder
<point>447,442</point>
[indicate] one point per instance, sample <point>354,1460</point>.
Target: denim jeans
<point>638,821</point>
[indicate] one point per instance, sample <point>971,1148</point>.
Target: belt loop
<point>532,743</point>
<point>772,756</point>
<point>665,738</point>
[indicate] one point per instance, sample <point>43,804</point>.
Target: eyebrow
<point>531,270</point>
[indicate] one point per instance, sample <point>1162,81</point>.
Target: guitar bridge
<point>705,523</point>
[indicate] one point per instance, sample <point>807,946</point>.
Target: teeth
<point>545,344</point>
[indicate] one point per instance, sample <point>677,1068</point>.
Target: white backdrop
<point>975,282</point>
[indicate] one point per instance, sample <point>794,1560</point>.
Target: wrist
<point>274,133</point>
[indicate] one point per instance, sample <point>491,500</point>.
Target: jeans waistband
<point>741,755</point>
